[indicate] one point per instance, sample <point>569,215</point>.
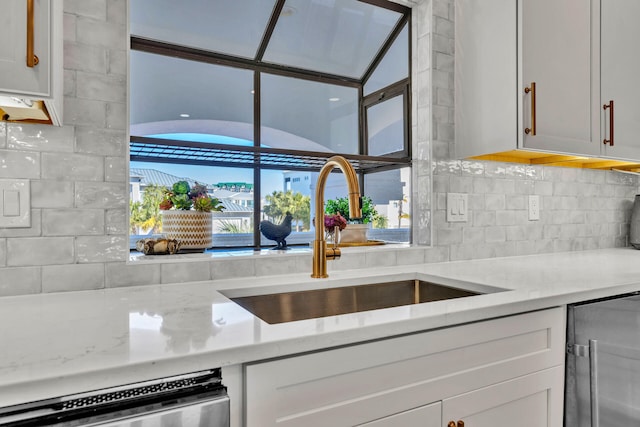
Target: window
<point>251,98</point>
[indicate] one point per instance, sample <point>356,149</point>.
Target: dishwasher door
<point>198,399</point>
<point>209,412</point>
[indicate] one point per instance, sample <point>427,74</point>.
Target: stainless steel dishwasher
<point>198,399</point>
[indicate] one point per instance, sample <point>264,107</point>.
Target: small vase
<point>634,231</point>
<point>332,236</point>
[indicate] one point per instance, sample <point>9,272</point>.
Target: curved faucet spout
<point>320,252</point>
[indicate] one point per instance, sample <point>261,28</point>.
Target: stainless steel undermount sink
<point>310,304</point>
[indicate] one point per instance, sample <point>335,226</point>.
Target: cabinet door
<point>15,76</point>
<point>533,400</point>
<point>620,67</point>
<point>424,416</point>
<point>558,55</point>
<point>486,100</point>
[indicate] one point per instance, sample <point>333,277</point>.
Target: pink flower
<point>335,220</point>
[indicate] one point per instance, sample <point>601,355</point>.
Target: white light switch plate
<point>457,209</point>
<point>15,203</point>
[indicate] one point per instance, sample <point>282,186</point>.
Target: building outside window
<point>250,98</point>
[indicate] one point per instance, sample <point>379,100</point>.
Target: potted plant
<point>356,229</point>
<point>187,215</point>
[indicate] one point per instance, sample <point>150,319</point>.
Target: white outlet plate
<point>457,207</point>
<point>534,207</point>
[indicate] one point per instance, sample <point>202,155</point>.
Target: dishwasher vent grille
<point>142,390</point>
<point>121,395</point>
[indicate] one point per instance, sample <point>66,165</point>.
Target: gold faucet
<point>320,251</point>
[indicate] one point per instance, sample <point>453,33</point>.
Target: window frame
<point>363,163</point>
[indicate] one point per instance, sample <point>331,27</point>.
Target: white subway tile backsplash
<point>495,234</point>
<point>116,221</point>
<point>83,57</point>
<point>449,236</point>
<point>117,11</point>
<point>96,9</point>
<point>436,254</point>
<point>32,251</point>
<point>69,83</point>
<point>381,258</point>
<point>185,272</point>
<point>413,255</point>
<point>70,166</point>
<point>230,267</point>
<point>84,112</point>
<point>19,164</point>
<point>120,274</point>
<point>3,252</point>
<point>117,62</point>
<point>473,235</point>
<point>3,135</point>
<point>72,277</point>
<point>40,137</point>
<point>102,87</point>
<point>99,33</point>
<point>20,281</point>
<point>270,265</point>
<point>69,27</point>
<point>73,222</point>
<point>348,261</point>
<point>102,142</point>
<point>495,202</point>
<point>101,195</point>
<point>102,248</point>
<point>115,169</point>
<point>116,116</point>
<point>484,218</point>
<point>35,230</point>
<point>52,194</point>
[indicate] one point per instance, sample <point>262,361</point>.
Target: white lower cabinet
<point>486,372</point>
<point>424,416</point>
<point>529,401</point>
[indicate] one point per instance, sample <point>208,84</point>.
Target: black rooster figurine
<point>277,232</point>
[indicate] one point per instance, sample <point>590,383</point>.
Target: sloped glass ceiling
<point>234,27</point>
<point>338,37</point>
<point>209,65</point>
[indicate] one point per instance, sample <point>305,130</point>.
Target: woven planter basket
<point>191,228</point>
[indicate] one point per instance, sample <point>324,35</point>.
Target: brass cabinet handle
<point>610,107</point>
<point>32,59</point>
<point>454,424</point>
<point>532,130</point>
<point>451,424</point>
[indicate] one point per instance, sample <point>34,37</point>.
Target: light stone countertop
<point>57,344</point>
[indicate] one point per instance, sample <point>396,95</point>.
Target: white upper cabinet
<point>38,34</point>
<point>502,47</point>
<point>556,55</point>
<point>486,86</point>
<point>620,68</point>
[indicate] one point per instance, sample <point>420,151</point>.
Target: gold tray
<point>367,243</point>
